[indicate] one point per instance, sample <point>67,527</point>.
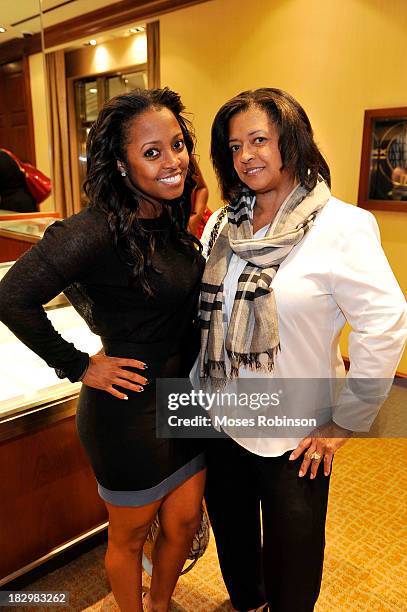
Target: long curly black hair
<point>299,152</point>
<point>107,191</point>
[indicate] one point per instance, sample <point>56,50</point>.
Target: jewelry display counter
<point>19,232</point>
<point>48,493</point>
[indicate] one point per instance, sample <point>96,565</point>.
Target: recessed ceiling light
<point>93,42</point>
<point>2,30</point>
<point>137,30</point>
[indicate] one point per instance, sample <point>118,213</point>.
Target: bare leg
<point>180,515</point>
<point>128,529</point>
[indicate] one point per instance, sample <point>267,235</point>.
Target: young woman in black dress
<point>130,268</point>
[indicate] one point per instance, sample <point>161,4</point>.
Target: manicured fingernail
<point>145,366</point>
<point>146,382</point>
<point>125,397</point>
<point>326,473</point>
<point>300,473</point>
<point>291,457</point>
<point>140,389</point>
<point>312,476</point>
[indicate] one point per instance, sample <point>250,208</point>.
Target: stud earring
<point>121,169</point>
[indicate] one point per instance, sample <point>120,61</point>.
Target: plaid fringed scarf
<point>253,327</point>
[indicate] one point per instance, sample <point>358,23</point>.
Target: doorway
<point>90,94</point>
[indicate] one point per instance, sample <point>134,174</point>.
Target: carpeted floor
<point>366,553</point>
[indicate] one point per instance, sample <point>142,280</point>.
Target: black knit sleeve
<point>68,252</point>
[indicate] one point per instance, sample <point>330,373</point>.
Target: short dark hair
<point>299,152</point>
<point>107,190</point>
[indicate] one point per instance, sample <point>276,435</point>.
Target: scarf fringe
<point>210,382</point>
<point>252,361</point>
<point>212,365</point>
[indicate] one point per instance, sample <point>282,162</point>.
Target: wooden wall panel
<point>17,47</point>
<point>16,131</point>
<point>48,494</point>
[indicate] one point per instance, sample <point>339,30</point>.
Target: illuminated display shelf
<point>25,379</point>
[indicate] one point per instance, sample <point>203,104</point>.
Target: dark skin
<point>254,145</point>
<point>324,441</point>
<point>199,201</point>
<point>104,372</point>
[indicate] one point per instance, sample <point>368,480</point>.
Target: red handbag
<point>38,184</point>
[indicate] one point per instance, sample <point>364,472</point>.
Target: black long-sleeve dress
<point>78,256</point>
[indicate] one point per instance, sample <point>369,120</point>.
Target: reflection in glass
<point>388,163</point>
<point>91,101</point>
<point>90,95</point>
<point>122,83</point>
<point>23,118</point>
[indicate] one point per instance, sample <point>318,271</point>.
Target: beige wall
<point>39,107</point>
<point>337,57</point>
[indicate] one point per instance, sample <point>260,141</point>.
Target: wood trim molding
<point>19,47</point>
<point>33,215</point>
<point>153,54</point>
<point>109,17</point>
<point>29,109</point>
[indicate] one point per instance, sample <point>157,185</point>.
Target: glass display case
<point>25,379</point>
<point>19,232</point>
<point>25,228</point>
<point>48,491</point>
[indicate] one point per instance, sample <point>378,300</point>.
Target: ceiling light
<point>2,30</point>
<point>93,42</point>
<point>137,30</point>
<point>93,90</point>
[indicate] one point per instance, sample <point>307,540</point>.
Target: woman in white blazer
<point>288,265</point>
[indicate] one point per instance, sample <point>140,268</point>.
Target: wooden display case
<point>49,499</point>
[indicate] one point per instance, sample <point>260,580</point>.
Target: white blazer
<point>337,273</point>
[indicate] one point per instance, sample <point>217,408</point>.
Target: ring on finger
<point>316,456</point>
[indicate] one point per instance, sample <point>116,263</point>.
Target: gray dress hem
<point>148,496</point>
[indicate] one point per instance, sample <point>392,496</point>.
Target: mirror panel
<point>90,75</point>
<point>81,78</point>
<point>23,109</point>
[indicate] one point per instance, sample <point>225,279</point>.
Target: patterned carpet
<point>366,553</point>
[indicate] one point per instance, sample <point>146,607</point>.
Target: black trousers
<point>278,559</point>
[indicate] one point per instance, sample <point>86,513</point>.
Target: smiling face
<point>157,157</point>
<point>253,142</point>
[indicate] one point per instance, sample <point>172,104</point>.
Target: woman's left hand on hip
<point>320,447</point>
